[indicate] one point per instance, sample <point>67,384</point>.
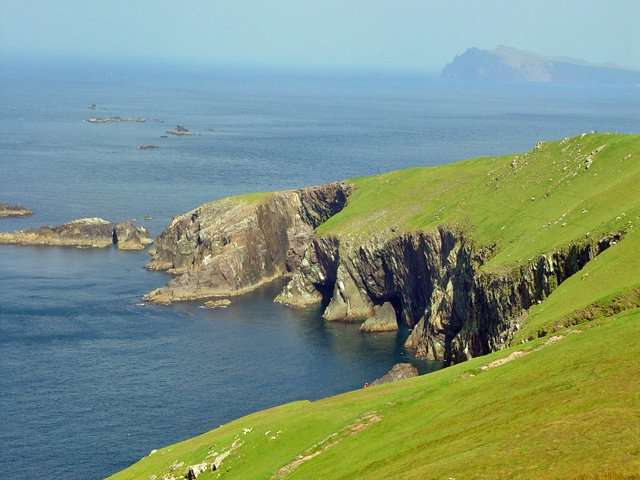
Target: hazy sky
<point>414,34</point>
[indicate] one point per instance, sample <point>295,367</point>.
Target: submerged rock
<point>147,146</point>
<point>7,210</point>
<point>82,233</point>
<point>399,371</point>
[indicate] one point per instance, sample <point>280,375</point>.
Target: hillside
<point>549,238</point>
<point>510,65</point>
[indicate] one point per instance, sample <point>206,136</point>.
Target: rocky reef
<point>7,210</point>
<point>231,246</point>
<point>83,233</point>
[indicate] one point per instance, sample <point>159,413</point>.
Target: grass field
<point>526,204</point>
<point>564,404</point>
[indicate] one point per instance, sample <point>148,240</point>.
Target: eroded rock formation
<point>436,285</point>
<point>231,246</point>
<point>82,233</point>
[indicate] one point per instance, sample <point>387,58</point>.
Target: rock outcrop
<point>433,282</point>
<point>231,246</point>
<point>82,233</point>
<point>179,131</point>
<point>399,371</point>
<point>7,210</point>
<point>130,237</point>
<point>383,320</point>
<point>436,285</point>
<point>218,303</point>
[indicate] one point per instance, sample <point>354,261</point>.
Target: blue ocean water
<point>90,380</point>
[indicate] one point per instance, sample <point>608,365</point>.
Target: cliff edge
<point>456,253</point>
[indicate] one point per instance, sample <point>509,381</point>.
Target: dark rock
<point>436,285</point>
<point>179,131</point>
<point>399,371</point>
<point>147,146</point>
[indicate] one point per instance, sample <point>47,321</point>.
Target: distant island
<point>509,65</point>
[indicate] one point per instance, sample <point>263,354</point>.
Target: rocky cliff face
<point>82,233</point>
<point>431,282</point>
<point>232,246</point>
<point>436,285</point>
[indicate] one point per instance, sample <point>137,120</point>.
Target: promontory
<point>519,272</point>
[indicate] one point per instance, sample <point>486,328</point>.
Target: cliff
<point>457,253</point>
<point>534,255</point>
<point>509,65</point>
<point>82,233</point>
<point>234,245</point>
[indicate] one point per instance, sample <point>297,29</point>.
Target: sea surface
<point>91,379</point>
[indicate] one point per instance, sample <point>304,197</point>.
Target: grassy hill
<point>562,402</point>
<point>526,204</point>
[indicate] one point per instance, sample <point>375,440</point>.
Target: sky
<point>418,35</point>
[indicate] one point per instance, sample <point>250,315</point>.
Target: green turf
<point>545,201</point>
<point>568,408</point>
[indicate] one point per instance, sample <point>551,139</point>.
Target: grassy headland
<point>562,402</point>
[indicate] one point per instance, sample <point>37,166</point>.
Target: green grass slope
<point>566,409</point>
<point>562,402</point>
<point>525,204</point>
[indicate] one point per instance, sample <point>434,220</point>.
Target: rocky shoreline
<point>82,233</point>
<point>7,210</point>
<point>234,245</point>
<point>431,282</point>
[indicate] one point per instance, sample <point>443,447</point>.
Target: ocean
<point>90,379</point>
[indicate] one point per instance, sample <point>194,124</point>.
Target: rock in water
<point>179,131</point>
<point>147,146</point>
<point>129,237</point>
<point>399,371</point>
<point>231,246</point>
<point>82,233</point>
<point>221,303</point>
<point>7,210</point>
<point>383,320</point>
